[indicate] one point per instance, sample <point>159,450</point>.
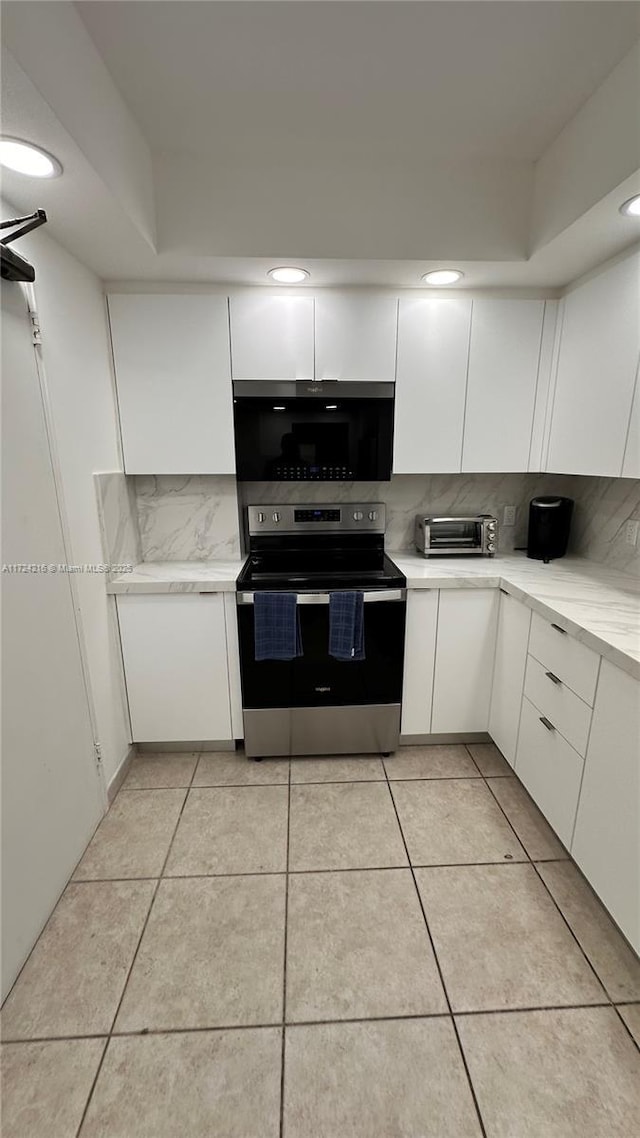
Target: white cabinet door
<point>597,366</point>
<point>356,337</point>
<point>550,769</point>
<point>431,381</point>
<point>631,464</point>
<point>419,656</point>
<point>171,357</point>
<point>175,662</point>
<point>465,646</point>
<point>501,391</point>
<point>271,336</point>
<point>514,621</point>
<point>606,841</point>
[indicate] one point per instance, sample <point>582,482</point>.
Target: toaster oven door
<point>451,535</point>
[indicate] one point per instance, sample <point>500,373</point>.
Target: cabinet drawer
<point>551,771</point>
<point>560,653</point>
<point>570,715</point>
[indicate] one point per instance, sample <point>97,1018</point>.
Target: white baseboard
<point>120,775</point>
<point>444,738</point>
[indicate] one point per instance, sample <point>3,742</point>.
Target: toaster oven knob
<point>358,516</point>
<point>276,517</point>
<point>491,547</point>
<point>373,514</point>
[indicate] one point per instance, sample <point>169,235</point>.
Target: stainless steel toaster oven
<point>447,536</point>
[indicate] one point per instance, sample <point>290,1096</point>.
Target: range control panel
<point>350,517</point>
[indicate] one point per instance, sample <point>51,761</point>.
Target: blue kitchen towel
<point>276,626</point>
<point>346,625</point>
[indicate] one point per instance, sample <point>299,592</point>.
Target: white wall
<point>78,374</point>
<point>52,793</point>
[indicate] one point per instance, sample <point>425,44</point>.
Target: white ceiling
<point>369,140</point>
<point>394,80</point>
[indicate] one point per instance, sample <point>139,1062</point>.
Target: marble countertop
<point>599,606</point>
<point>179,577</point>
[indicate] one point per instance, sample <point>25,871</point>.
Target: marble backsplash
<point>409,494</point>
<point>602,506</point>
<point>187,517</point>
<point>118,518</point>
<point>183,518</point>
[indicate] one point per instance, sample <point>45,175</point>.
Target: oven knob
<point>358,516</point>
<point>276,517</point>
<point>260,517</point>
<point>373,514</point>
<point>492,525</point>
<point>491,547</point>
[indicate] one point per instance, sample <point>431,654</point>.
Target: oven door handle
<point>373,597</point>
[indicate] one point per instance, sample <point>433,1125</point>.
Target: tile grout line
<point>437,962</point>
<point>210,1028</point>
<point>137,949</point>
<point>312,782</point>
<point>284,973</point>
<point>303,872</point>
<point>534,866</point>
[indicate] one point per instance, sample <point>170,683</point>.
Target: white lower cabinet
<point>465,646</point>
<point>606,842</point>
<point>550,769</point>
<point>419,659</point>
<point>570,715</point>
<point>514,621</point>
<point>174,648</point>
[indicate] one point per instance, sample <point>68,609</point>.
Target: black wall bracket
<point>13,266</point>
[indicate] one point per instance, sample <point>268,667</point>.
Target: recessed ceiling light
<point>288,275</point>
<point>443,277</point>
<point>27,159</point>
<point>631,208</point>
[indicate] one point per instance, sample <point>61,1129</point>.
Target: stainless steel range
<point>316,704</point>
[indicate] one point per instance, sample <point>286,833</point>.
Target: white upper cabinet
<point>272,336</point>
<point>597,364</point>
<point>631,464</point>
<point>433,353</point>
<point>171,356</point>
<point>504,357</point>
<point>356,337</point>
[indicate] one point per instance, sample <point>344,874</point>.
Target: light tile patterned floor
<point>336,948</point>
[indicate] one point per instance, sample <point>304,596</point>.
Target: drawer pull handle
<point>554,679</point>
<point>549,726</point>
<point>558,629</point>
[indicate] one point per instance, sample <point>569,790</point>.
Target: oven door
<point>316,705</point>
<point>316,679</point>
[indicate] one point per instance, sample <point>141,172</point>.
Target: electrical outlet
<point>632,533</point>
<point>509,516</point>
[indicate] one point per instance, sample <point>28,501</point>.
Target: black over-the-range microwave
<point>308,431</point>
